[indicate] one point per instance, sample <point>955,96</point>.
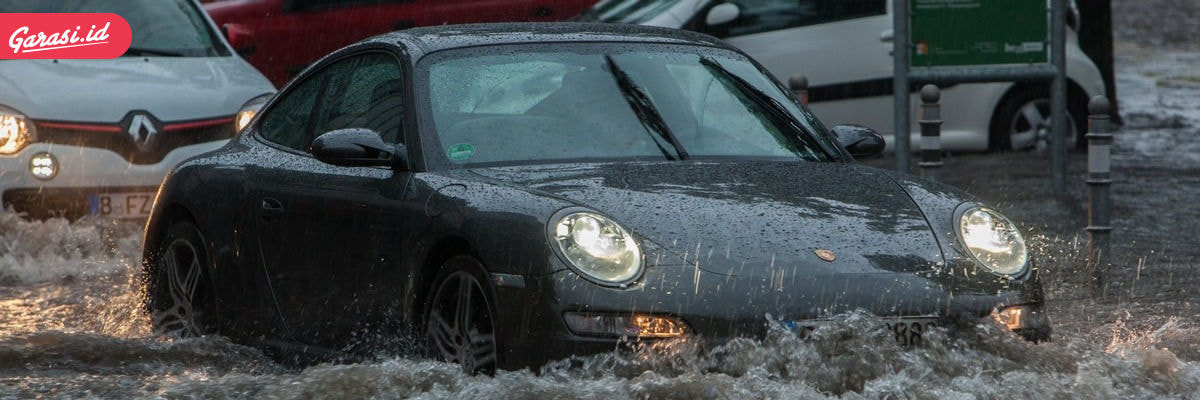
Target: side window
<point>287,122</point>
<point>364,91</point>
<point>771,15</point>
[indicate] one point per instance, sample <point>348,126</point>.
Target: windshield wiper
<point>645,110</point>
<point>776,110</point>
<point>142,51</point>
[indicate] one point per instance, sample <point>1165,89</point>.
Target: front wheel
<point>1022,121</point>
<point>178,294</point>
<point>459,319</point>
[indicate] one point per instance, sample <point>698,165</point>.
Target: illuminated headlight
<point>596,247</point>
<point>16,131</point>
<point>616,325</point>
<point>43,166</point>
<point>249,110</point>
<point>993,240</point>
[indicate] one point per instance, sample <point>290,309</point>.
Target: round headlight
<point>993,240</point>
<point>16,131</point>
<point>43,166</point>
<point>597,248</point>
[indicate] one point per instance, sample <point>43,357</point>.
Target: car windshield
<point>626,11</point>
<point>160,27</point>
<point>555,103</point>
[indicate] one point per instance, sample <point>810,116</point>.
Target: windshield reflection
<point>496,105</point>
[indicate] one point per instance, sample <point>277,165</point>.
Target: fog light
<point>43,166</point>
<point>1010,317</point>
<point>638,325</point>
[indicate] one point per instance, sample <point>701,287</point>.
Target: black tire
<point>460,324</point>
<point>178,292</point>
<point>1022,120</point>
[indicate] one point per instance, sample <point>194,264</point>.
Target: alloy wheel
<point>459,325</point>
<point>1031,127</point>
<point>180,274</point>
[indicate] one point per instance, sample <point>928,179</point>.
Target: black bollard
<point>931,132</point>
<point>1099,180</point>
<point>799,86</point>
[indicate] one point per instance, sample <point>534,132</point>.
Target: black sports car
<point>512,194</point>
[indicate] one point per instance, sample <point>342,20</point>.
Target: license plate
<point>910,332</point>
<point>121,205</point>
<point>906,331</point>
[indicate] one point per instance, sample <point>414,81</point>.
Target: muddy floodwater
<point>72,326</point>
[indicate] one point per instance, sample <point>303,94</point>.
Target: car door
<point>842,46</point>
<point>330,234</point>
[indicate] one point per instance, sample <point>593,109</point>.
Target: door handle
<point>887,36</point>
<point>271,209</point>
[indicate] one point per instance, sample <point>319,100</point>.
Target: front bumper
<point>717,308</point>
<point>81,170</point>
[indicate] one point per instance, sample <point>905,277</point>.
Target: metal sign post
<point>947,42</point>
<point>900,53</point>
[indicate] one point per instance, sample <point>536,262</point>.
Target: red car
<point>281,37</point>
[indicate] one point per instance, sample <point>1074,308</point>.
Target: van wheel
<point>1022,121</point>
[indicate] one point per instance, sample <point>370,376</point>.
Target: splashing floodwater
<point>72,327</point>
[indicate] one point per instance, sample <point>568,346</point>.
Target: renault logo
<point>141,128</point>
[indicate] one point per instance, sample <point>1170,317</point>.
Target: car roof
<point>443,37</point>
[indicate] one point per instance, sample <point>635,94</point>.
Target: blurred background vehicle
<point>844,47</point>
<point>281,37</point>
<point>96,137</point>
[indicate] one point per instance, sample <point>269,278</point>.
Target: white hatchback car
<point>844,48</point>
<point>96,137</point>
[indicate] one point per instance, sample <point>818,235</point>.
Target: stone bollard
<point>1099,181</point>
<point>931,132</point>
<point>799,86</point>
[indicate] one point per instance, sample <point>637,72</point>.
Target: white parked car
<point>844,48</point>
<point>96,137</point>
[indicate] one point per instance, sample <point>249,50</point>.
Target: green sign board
<point>979,32</point>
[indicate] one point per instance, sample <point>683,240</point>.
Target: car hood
<point>750,218</point>
<point>104,91</point>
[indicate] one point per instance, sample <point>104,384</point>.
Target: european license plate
<point>121,205</point>
<point>909,332</point>
<point>906,331</point>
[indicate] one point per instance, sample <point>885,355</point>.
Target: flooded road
<point>71,324</point>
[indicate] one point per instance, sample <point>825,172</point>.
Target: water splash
<point>42,251</point>
<point>60,275</point>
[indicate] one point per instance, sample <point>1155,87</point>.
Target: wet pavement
<point>71,324</point>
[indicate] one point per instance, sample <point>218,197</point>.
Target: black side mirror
<point>358,147</point>
<point>860,141</point>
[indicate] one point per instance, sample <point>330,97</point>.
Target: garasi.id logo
<point>64,35</point>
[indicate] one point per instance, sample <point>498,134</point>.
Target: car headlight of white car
<point>249,110</point>
<point>993,240</point>
<point>596,247</point>
<point>16,131</point>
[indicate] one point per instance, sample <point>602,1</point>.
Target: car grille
<point>115,137</point>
